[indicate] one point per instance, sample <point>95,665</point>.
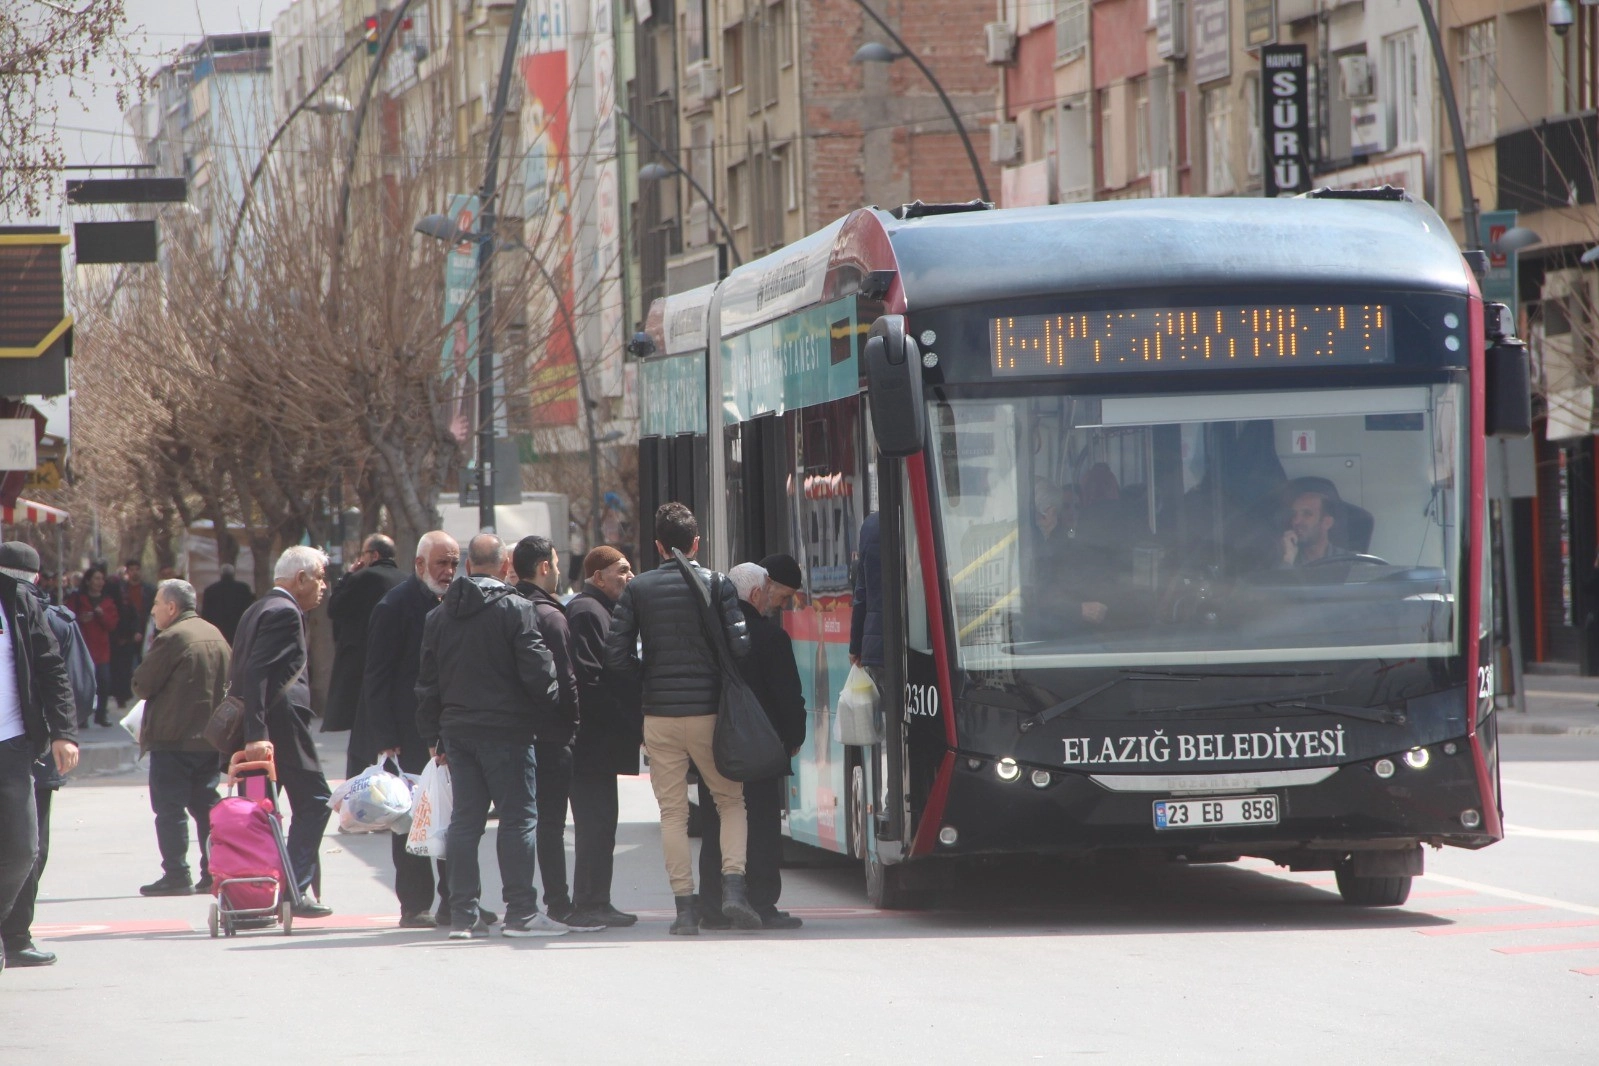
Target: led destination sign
<point>1190,339</point>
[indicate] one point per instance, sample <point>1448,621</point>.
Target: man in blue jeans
<point>486,690</point>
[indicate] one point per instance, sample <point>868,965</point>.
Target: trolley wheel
<point>228,928</point>
<point>1372,891</point>
<point>213,920</point>
<point>286,916</point>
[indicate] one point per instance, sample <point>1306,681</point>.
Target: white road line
<point>1510,893</point>
<point>1581,836</point>
<point>1565,790</point>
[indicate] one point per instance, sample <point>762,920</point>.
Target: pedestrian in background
<point>486,684</point>
<point>97,616</point>
<point>610,730</point>
<point>350,605</point>
<point>681,679</point>
<point>36,719</point>
<point>224,602</point>
<point>135,597</point>
<point>269,675</point>
<point>773,676</point>
<point>537,568</point>
<point>386,721</point>
<point>181,681</point>
<point>20,562</point>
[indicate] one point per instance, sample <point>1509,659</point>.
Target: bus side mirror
<point>1508,385</point>
<point>894,388</point>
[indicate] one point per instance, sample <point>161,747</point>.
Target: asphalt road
<point>1495,959</point>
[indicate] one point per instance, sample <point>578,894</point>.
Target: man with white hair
<point>386,721</point>
<point>269,675</point>
<point>774,678</point>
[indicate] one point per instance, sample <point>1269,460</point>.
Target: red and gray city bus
<point>1184,538</point>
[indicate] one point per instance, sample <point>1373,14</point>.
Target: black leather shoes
<point>168,886</point>
<point>312,909</point>
<point>30,957</point>
<point>418,921</point>
<point>204,884</point>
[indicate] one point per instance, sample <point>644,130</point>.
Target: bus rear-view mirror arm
<point>894,388</point>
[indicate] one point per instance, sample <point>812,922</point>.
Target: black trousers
<point>19,820</point>
<point>183,785</point>
<point>16,932</point>
<point>763,850</point>
<point>554,787</point>
<point>594,814</point>
<point>414,882</point>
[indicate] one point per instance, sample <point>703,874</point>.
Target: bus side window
<point>917,637</point>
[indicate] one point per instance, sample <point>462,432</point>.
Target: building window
<point>1252,158</point>
<point>1074,176</point>
<point>1141,117</point>
<point>1071,28</point>
<point>1479,104</point>
<point>737,193</point>
<point>733,57</point>
<point>1400,88</point>
<point>777,16</point>
<point>1218,141</point>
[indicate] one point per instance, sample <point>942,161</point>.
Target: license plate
<point>1223,810</point>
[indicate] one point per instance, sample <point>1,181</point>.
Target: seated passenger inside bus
<point>1064,572</point>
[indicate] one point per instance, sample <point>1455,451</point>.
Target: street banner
<point>1499,284</point>
<point>458,358</point>
<point>1285,121</point>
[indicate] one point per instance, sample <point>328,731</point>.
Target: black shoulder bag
<point>746,746</point>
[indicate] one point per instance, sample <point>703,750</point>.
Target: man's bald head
<point>485,554</point>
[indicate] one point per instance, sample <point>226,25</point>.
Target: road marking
<point>1463,930</point>
<point>1591,971</point>
<point>1565,790</point>
<point>1498,908</point>
<point>1510,893</point>
<point>1580,836</point>
<point>1536,949</point>
<point>66,929</point>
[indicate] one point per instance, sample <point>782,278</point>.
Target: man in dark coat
<point>774,677</point>
<point>224,602</point>
<point>135,597</point>
<point>537,569</point>
<point>386,721</point>
<point>269,675</point>
<point>350,606</point>
<point>609,734</point>
<point>681,678</point>
<point>36,719</point>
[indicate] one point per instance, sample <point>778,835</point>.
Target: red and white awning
<point>28,511</point>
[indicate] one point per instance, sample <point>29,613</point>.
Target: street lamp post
<point>655,172</point>
<point>872,52</point>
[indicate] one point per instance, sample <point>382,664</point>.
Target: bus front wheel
<point>888,887</point>
<point>1372,891</point>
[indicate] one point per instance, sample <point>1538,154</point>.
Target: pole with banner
<point>1499,283</point>
<point>1285,119</point>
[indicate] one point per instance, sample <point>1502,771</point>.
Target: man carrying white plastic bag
<point>430,812</point>
<point>372,801</point>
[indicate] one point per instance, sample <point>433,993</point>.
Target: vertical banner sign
<point>1499,284</point>
<point>458,359</point>
<point>1286,122</point>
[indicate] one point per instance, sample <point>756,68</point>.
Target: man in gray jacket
<point>486,693</point>
<point>682,688</point>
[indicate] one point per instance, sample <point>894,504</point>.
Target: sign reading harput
<point>1286,121</point>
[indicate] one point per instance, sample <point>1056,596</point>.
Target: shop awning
<point>28,511</point>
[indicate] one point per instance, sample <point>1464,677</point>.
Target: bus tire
<point>887,887</point>
<point>1372,891</point>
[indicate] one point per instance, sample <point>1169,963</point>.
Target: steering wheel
<point>1353,557</point>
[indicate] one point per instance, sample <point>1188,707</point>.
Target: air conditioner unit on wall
<point>702,83</point>
<point>1171,29</point>
<point>1004,143</point>
<point>1001,41</point>
<point>1355,75</point>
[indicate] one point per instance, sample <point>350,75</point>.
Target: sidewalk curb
<point>96,759</point>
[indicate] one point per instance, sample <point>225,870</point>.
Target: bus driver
<point>1311,517</point>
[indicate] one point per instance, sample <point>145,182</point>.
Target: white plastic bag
<point>371,800</point>
<point>430,814</point>
<point>133,721</point>
<point>856,717</point>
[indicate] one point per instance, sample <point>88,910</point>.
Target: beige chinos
<point>671,743</point>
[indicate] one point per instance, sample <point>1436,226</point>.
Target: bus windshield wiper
<point>1380,715</point>
<point>1067,705</point>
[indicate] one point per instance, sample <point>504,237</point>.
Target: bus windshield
<point>1201,528</point>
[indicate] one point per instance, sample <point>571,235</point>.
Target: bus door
<point>761,489</point>
<point>670,468</point>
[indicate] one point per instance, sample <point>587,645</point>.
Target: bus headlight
<point>1470,818</point>
<point>1383,768</point>
<point>1007,769</point>
<point>1450,748</point>
<point>1040,778</point>
<point>1417,758</point>
<point>948,835</point>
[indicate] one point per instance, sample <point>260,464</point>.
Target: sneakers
<point>168,885</point>
<point>537,925</point>
<point>476,932</point>
<point>441,917</point>
<point>606,915</point>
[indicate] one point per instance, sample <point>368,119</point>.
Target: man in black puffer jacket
<point>682,686</point>
<point>486,693</point>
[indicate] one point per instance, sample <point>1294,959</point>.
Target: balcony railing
<point>1549,164</point>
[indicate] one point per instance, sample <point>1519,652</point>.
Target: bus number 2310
<point>921,701</point>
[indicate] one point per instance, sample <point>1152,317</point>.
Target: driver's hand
<point>1290,547</point>
<point>1095,612</point>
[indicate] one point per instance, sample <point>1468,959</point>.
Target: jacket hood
<point>468,596</point>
